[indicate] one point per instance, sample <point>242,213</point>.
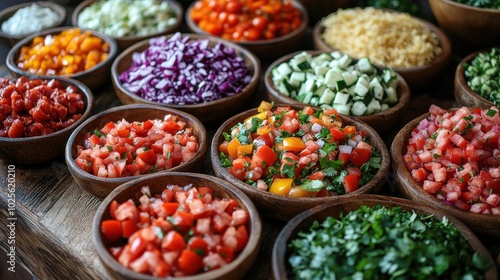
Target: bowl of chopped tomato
<point>130,141</point>
<point>379,237</point>
<point>448,160</point>
<point>289,158</point>
<point>269,28</point>
<point>38,116</point>
<point>177,224</point>
<point>205,76</point>
<point>71,52</point>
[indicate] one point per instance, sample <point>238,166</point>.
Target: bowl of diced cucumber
<point>477,79</point>
<point>357,88</point>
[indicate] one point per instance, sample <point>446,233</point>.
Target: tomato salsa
<point>182,231</point>
<point>299,153</point>
<point>124,148</point>
<point>455,155</point>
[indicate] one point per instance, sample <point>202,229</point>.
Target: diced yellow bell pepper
<point>264,106</point>
<point>244,150</point>
<point>281,186</point>
<point>263,130</point>
<point>293,144</point>
<point>232,148</point>
<point>261,116</point>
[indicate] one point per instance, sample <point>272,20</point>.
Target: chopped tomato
<point>112,230</point>
<point>189,262</point>
<point>351,182</point>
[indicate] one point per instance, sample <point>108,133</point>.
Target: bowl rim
<point>462,80</point>
<point>297,4</point>
<point>468,7</point>
<point>57,8</point>
<point>68,150</point>
<point>379,177</point>
<point>402,100</point>
<point>176,6</point>
<point>242,51</point>
<point>14,51</point>
<point>444,43</point>
<point>278,254</point>
<point>89,108</point>
<point>255,226</point>
<point>399,140</point>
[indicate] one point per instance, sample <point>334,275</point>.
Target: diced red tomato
<point>351,182</point>
<point>112,230</point>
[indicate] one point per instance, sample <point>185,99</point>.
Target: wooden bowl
<point>344,205</point>
<point>483,224</point>
<point>100,186</point>
<point>416,77</point>
<point>266,50</point>
<point>464,95</point>
<point>476,26</point>
<point>157,182</point>
<point>38,149</point>
<point>381,121</point>
<point>93,77</point>
<point>127,41</point>
<point>282,207</point>
<point>206,112</point>
<point>10,11</point>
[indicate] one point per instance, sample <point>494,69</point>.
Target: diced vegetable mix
<point>66,53</point>
<point>299,153</point>
<point>121,18</point>
<point>384,243</point>
<point>483,75</point>
<point>335,80</point>
<point>34,107</point>
<point>455,155</point>
<point>486,4</point>
<point>246,20</point>
<point>30,19</point>
<point>183,231</point>
<point>124,148</point>
<point>180,71</point>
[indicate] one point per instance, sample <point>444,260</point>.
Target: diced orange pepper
<point>293,144</point>
<point>261,130</point>
<point>281,186</point>
<point>244,150</point>
<point>349,129</point>
<point>232,148</point>
<point>264,106</point>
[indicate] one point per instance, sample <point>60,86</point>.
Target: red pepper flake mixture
<point>182,231</point>
<point>455,156</point>
<point>37,107</point>
<point>124,148</point>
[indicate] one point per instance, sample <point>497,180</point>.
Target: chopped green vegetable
<point>483,75</point>
<point>486,4</point>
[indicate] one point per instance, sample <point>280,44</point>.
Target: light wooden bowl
<point>127,41</point>
<point>344,205</point>
<point>282,207</point>
<point>10,11</point>
<point>100,186</point>
<point>464,95</point>
<point>381,121</point>
<point>476,26</point>
<point>266,50</point>
<point>38,149</point>
<point>206,112</point>
<point>157,182</point>
<point>483,224</point>
<point>93,77</point>
<point>416,77</point>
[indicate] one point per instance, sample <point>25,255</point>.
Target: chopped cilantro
<point>109,148</point>
<point>224,160</point>
<point>491,113</point>
<point>312,185</point>
<point>288,170</point>
<point>303,118</point>
<point>98,133</point>
<point>226,136</point>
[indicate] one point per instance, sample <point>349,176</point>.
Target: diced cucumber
<point>364,65</point>
<point>344,109</point>
<point>284,69</point>
<point>340,85</point>
<point>377,89</point>
<point>358,108</point>
<point>304,66</point>
<point>362,86</point>
<point>350,78</point>
<point>302,57</point>
<point>327,97</point>
<point>392,96</point>
<point>320,70</point>
<point>335,55</point>
<point>283,89</point>
<point>341,98</point>
<point>289,88</point>
<point>373,107</point>
<point>314,101</point>
<point>307,98</point>
<point>302,89</point>
<point>388,75</point>
<point>310,85</point>
<point>331,78</point>
<point>296,78</point>
<point>384,106</point>
<point>344,61</point>
<point>319,91</point>
<point>301,97</point>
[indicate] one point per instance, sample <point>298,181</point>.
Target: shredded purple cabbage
<point>176,71</point>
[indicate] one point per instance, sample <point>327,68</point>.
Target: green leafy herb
<point>226,136</point>
<point>255,123</point>
<point>109,148</point>
<point>288,170</point>
<point>224,160</point>
<point>491,113</point>
<point>312,185</point>
<point>98,133</point>
<point>303,118</point>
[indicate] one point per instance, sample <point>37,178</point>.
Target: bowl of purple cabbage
<point>207,77</point>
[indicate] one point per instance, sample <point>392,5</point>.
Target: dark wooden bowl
<point>100,186</point>
<point>206,112</point>
<point>464,95</point>
<point>416,77</point>
<point>10,11</point>
<point>127,41</point>
<point>266,50</point>
<point>157,182</point>
<point>282,207</point>
<point>381,121</point>
<point>344,205</point>
<point>38,149</point>
<point>409,188</point>
<point>476,26</point>
<point>93,77</point>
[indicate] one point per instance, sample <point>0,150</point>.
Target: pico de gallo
<point>182,231</point>
<point>455,155</point>
<point>124,148</point>
<point>299,153</point>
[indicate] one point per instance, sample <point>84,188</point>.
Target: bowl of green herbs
<point>477,79</point>
<point>378,237</point>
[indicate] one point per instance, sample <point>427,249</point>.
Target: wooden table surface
<point>54,215</point>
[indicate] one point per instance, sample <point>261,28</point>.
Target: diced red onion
<point>352,143</point>
<point>345,149</point>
